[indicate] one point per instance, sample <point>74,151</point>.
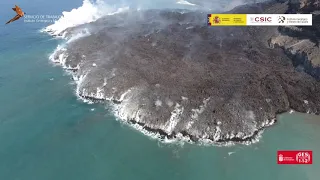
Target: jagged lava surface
<point>171,73</point>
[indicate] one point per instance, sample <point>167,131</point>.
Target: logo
<point>303,157</point>
<point>227,19</point>
<point>19,14</point>
<point>280,158</point>
<point>216,20</point>
<point>295,157</point>
<point>261,19</point>
<point>281,19</point>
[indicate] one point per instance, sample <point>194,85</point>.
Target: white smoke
<point>92,10</point>
<point>88,12</point>
<point>185,3</point>
<point>233,4</point>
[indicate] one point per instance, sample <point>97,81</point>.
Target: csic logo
<point>281,19</point>
<point>261,19</point>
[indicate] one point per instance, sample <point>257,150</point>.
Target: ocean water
<point>46,133</point>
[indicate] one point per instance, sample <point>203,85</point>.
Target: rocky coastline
<point>172,75</point>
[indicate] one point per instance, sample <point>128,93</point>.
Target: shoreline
<point>160,132</point>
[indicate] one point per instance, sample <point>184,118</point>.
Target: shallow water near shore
<point>46,133</point>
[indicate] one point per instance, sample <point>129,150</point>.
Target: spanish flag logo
<point>227,19</point>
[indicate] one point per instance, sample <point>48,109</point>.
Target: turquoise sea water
<point>47,134</point>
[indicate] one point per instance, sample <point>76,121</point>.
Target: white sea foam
<point>59,56</point>
<point>124,112</point>
<point>180,139</point>
<point>91,11</point>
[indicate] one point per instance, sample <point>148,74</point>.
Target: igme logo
<point>281,19</point>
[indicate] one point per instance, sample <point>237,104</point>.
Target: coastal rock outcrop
<point>168,72</point>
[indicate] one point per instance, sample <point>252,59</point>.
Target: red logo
<point>295,157</point>
<point>262,19</point>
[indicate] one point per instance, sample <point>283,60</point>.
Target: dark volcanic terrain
<point>168,71</point>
